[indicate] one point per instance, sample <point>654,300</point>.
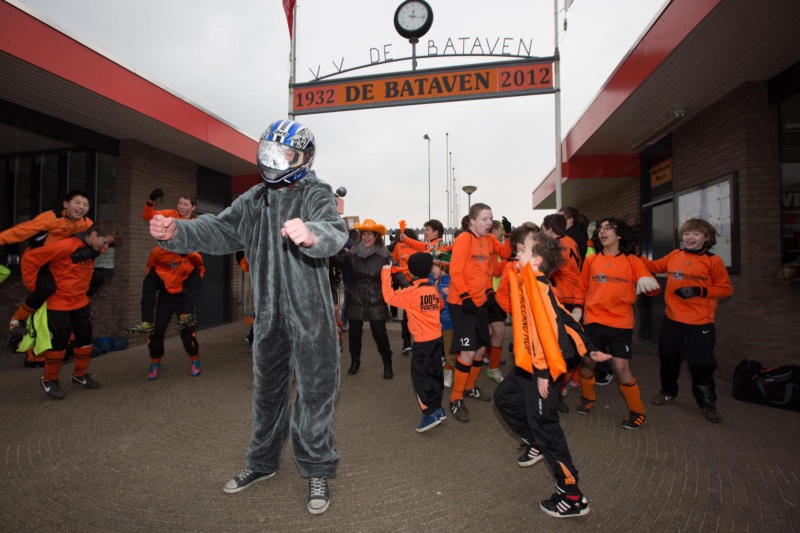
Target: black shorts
<point>616,341</point>
<point>496,314</point>
<point>470,332</point>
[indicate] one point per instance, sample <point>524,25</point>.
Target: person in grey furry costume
<point>287,227</point>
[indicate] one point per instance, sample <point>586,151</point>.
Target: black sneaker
<point>562,404</point>
<point>244,479</point>
<point>603,378</point>
<point>406,350</point>
<point>52,389</point>
<point>530,454</point>
<point>459,410</point>
<point>85,380</point>
<point>585,407</point>
<point>477,394</point>
<point>562,505</point>
<point>144,327</point>
<point>634,421</point>
<point>712,415</point>
<point>319,497</point>
<point>661,398</point>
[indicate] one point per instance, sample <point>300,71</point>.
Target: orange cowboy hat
<point>371,225</point>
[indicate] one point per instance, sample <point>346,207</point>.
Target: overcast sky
<point>232,59</point>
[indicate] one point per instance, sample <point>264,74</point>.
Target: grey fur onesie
<point>294,328</point>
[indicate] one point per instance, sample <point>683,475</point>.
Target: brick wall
<point>622,201</point>
<point>739,133</point>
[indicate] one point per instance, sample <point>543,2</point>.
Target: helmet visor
<point>278,156</point>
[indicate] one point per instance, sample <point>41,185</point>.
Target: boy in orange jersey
<point>422,303</point>
<point>471,293</point>
<point>433,230</point>
<point>401,251</point>
<point>547,337</point>
<point>172,270</point>
<point>71,262</point>
<point>696,280</point>
<point>48,228</point>
<point>610,281</point>
<point>187,204</point>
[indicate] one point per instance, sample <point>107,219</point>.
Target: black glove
<point>690,292</point>
<point>467,305</point>
<point>506,225</point>
<point>156,194</point>
<point>490,297</point>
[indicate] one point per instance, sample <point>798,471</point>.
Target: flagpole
<point>557,87</point>
<point>293,61</point>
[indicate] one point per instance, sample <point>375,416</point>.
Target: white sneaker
<point>494,374</point>
<point>448,377</point>
<point>14,324</point>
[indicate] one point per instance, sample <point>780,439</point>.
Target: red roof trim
<point>33,41</point>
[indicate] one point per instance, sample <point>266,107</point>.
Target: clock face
<point>413,18</point>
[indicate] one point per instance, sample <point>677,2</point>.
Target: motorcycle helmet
<point>285,152</point>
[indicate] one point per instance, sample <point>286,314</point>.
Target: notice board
<point>715,201</point>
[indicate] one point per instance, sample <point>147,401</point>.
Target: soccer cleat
<point>448,377</point>
<point>85,380</point>
<point>603,378</point>
<point>52,389</point>
<point>494,374</point>
<point>441,414</point>
<point>195,369</point>
<point>428,422</point>
<point>562,505</point>
<point>530,454</point>
<point>459,410</point>
<point>712,415</point>
<point>144,327</point>
<point>634,421</point>
<point>244,479</point>
<point>154,368</point>
<point>187,321</point>
<point>585,407</point>
<point>661,398</point>
<point>477,394</point>
<point>319,497</point>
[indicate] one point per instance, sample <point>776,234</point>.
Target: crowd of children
<point>570,310</point>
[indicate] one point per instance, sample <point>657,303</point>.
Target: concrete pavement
<point>153,456</point>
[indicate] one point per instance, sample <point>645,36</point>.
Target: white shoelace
<point>317,487</point>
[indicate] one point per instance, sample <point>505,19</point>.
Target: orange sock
<point>23,312</point>
<point>632,396</point>
<point>587,386</point>
<point>474,372</point>
<point>460,377</point>
<point>52,364</point>
<point>494,356</point>
<point>82,357</point>
<point>194,357</point>
<point>447,367</point>
<point>155,361</point>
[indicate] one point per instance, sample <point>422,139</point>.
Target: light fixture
<point>469,189</point>
<point>651,138</point>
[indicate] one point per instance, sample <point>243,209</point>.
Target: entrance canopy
<point>694,53</point>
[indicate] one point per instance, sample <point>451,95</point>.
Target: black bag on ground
<point>778,386</point>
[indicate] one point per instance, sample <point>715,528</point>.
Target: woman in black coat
<point>364,298</point>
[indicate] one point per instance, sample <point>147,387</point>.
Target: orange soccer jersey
<point>173,269</point>
<point>72,265</point>
<point>421,301</point>
<point>607,289</point>
<point>472,266</point>
<point>402,251</point>
<point>47,228</point>
<point>687,269</point>
<point>566,278</point>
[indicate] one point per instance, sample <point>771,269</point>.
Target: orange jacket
<point>72,265</point>
<point>607,289</point>
<point>47,228</point>
<point>687,269</point>
<point>566,278</point>
<point>472,266</point>
<point>422,303</point>
<point>173,269</point>
<point>402,251</point>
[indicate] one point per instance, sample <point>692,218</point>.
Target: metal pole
<point>447,177</point>
<point>427,138</point>
<point>293,62</point>
<point>557,87</point>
